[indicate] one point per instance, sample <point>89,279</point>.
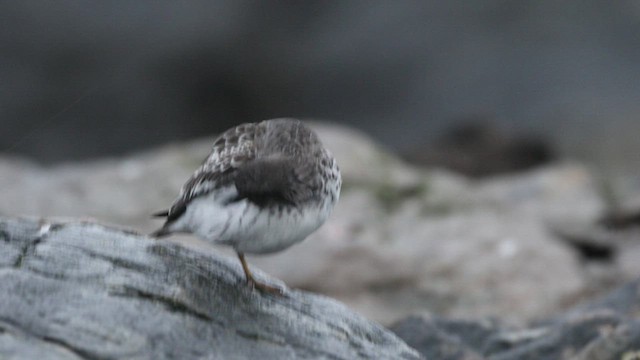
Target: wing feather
<point>230,151</point>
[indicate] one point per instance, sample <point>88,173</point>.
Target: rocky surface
<point>603,329</point>
<point>84,291</point>
<point>401,240</point>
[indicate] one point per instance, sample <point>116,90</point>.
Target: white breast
<point>264,231</point>
<point>248,228</point>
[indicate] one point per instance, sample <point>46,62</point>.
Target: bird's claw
<point>274,290</point>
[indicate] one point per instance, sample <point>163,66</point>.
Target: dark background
<point>81,79</point>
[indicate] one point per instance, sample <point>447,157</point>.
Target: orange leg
<point>255,284</point>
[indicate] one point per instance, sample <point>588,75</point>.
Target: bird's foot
<point>274,290</point>
<point>256,284</point>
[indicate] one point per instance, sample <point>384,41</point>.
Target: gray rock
<point>82,290</point>
<point>434,340</point>
<point>625,301</point>
<point>608,247</point>
<point>623,342</point>
<point>562,341</point>
<point>607,328</point>
<point>440,338</point>
<point>16,345</point>
<point>474,261</point>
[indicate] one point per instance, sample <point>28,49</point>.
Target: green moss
<point>437,209</point>
<point>391,197</point>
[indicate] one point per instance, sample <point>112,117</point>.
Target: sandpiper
<point>264,187</point>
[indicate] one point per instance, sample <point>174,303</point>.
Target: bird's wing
<point>231,150</point>
<point>268,180</point>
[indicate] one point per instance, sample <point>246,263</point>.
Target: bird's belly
<point>252,229</point>
<point>262,231</point>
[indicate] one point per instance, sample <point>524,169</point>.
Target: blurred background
<point>83,80</point>
<point>432,109</point>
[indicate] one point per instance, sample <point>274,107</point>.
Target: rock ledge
<point>81,290</point>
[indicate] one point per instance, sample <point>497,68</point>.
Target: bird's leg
<point>253,282</point>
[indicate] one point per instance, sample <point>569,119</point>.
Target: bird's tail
<point>161,213</point>
<point>164,230</point>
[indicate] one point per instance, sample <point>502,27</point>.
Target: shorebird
<point>264,187</point>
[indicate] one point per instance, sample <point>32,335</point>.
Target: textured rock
<point>468,264</point>
<point>603,329</point>
<point>435,341</point>
<point>562,341</point>
<point>80,290</point>
<point>623,342</point>
<point>625,301</point>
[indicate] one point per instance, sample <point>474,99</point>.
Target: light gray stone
<point>478,263</point>
<point>600,329</point>
<point>85,291</point>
